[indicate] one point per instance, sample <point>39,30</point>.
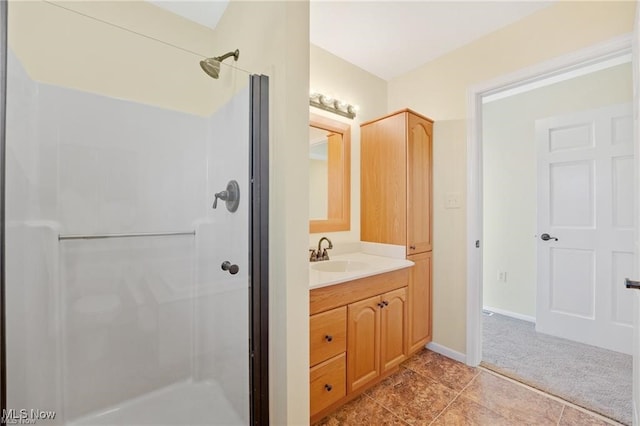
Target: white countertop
<point>375,265</point>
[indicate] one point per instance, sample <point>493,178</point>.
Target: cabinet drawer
<point>328,383</point>
<point>328,334</point>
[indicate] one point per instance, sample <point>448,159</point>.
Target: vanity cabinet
<point>358,336</point>
<point>396,203</point>
<point>377,337</point>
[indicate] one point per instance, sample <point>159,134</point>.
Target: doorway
<point>505,279</point>
<point>551,157</point>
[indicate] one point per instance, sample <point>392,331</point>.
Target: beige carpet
<point>591,377</point>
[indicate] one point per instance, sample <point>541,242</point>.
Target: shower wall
<point>32,287</point>
<point>222,308</point>
<point>94,323</point>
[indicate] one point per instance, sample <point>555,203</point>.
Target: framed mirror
<point>329,175</point>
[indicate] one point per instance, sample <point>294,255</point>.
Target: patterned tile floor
<point>431,389</point>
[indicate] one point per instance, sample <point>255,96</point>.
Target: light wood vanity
<point>361,330</point>
<point>358,332</point>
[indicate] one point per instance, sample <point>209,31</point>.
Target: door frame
<point>3,118</point>
<point>573,61</point>
<point>259,250</point>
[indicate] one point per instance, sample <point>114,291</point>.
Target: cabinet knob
<point>385,303</point>
<point>412,247</point>
<point>328,338</point>
<point>380,305</point>
<point>328,387</point>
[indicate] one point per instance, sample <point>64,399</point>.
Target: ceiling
<point>390,38</point>
<point>386,38</point>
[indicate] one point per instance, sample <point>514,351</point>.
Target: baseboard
<point>510,314</point>
<point>448,352</point>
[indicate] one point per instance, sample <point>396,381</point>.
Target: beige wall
<point>78,52</point>
<point>333,76</point>
<point>509,153</point>
<point>438,90</point>
<point>82,53</point>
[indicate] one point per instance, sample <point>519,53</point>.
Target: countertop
<point>376,265</point>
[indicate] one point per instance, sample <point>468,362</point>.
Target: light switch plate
<point>452,200</point>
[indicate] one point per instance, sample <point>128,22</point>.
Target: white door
<point>585,206</point>
<point>636,293</point>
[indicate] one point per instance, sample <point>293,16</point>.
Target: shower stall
<point>134,221</point>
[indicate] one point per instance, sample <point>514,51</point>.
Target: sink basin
<point>339,266</point>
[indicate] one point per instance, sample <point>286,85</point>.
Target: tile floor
<point>431,389</point>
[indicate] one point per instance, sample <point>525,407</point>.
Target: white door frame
<point>573,61</point>
<point>636,125</point>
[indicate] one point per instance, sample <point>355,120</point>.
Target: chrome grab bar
<point>132,235</point>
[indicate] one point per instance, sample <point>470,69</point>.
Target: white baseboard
<point>448,352</point>
<point>510,314</point>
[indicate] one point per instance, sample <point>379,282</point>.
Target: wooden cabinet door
<point>383,159</point>
<point>420,296</point>
<point>419,185</point>
<point>363,342</point>
<point>393,340</point>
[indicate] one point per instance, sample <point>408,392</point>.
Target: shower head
<point>212,65</point>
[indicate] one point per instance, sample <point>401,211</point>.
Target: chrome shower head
<point>212,65</point>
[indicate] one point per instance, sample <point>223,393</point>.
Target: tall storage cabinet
<point>396,203</point>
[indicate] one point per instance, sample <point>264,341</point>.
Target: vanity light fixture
<point>335,106</point>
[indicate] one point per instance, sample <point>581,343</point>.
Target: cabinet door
<point>419,165</point>
<point>383,178</point>
<point>420,296</point>
<point>363,342</point>
<point>393,329</point>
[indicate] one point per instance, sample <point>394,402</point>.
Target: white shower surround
<point>95,323</point>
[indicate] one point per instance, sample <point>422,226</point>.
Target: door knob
<point>632,284</point>
<point>547,237</point>
<point>227,266</point>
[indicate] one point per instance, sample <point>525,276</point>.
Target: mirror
<point>329,175</point>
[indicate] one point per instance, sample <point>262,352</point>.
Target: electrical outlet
<point>502,276</point>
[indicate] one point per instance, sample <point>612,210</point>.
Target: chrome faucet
<point>320,254</point>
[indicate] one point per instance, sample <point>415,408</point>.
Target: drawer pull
<point>328,387</point>
<point>328,338</point>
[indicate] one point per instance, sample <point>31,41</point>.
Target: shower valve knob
<point>227,266</point>
<point>231,196</point>
<point>223,195</point>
